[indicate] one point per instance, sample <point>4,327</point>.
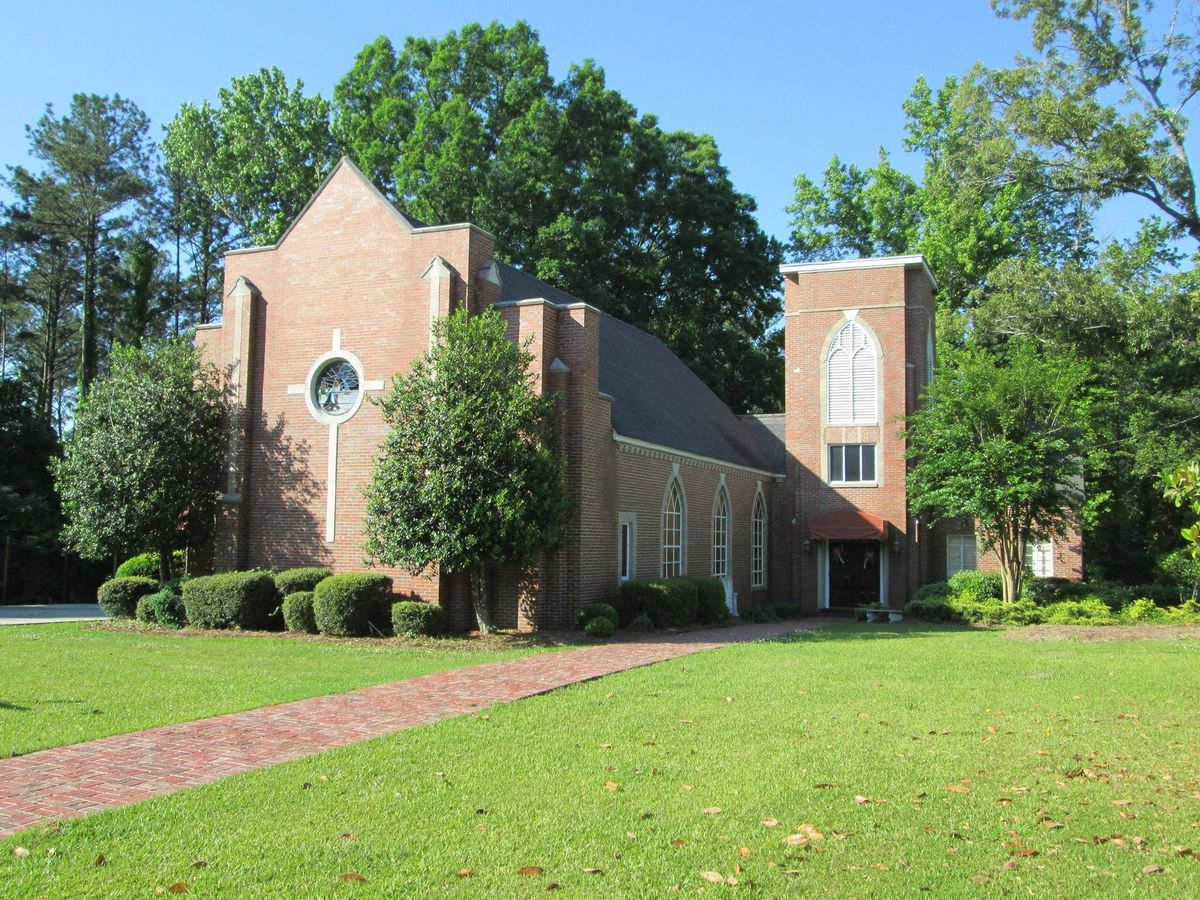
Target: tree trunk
<point>479,600</point>
<point>1011,574</point>
<point>165,561</point>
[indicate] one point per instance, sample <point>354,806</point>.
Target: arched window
<point>720,534</point>
<point>673,530</point>
<point>758,543</point>
<point>851,382</point>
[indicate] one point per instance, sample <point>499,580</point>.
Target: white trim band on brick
<point>871,262</point>
<point>712,461</point>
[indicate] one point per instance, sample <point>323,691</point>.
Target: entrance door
<point>853,573</point>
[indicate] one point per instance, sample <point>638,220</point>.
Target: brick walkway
<point>67,782</point>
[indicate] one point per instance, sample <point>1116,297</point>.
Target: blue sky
<point>782,86</point>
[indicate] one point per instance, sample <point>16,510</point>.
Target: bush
<point>596,610</point>
<point>760,615</point>
<point>1111,594</point>
<point>145,565</point>
<point>292,581</point>
<point>352,604</point>
<point>710,600</point>
<point>937,590</point>
<point>670,602</point>
<point>600,627</point>
<point>1024,612</point>
<point>1086,611</point>
<point>641,623</point>
<point>788,611</point>
<point>165,607</point>
<point>933,607</point>
<point>976,585</point>
<point>1186,613</point>
<point>1162,594</point>
<point>1141,610</point>
<point>244,600</point>
<point>298,612</point>
<point>119,597</point>
<point>1182,569</point>
<point>412,618</point>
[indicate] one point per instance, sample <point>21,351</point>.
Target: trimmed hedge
<point>976,584</point>
<point>789,611</point>
<point>119,597</point>
<point>145,565</point>
<point>641,623</point>
<point>298,612</point>
<point>291,581</point>
<point>670,603</point>
<point>596,610</point>
<point>760,615</point>
<point>349,605</point>
<point>244,600</point>
<point>710,600</point>
<point>600,627</point>
<point>414,618</point>
<point>165,607</point>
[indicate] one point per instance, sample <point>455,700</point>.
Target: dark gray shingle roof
<point>656,397</point>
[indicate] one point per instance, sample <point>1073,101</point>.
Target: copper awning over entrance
<point>848,525</point>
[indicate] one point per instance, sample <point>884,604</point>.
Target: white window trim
<point>1031,548</point>
<point>874,482</point>
<point>871,347</point>
<point>720,498</point>
<point>759,578</point>
<point>673,481</point>
<point>951,546</point>
<point>630,520</point>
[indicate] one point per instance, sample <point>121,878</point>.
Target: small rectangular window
<point>626,546</point>
<point>851,463</point>
<point>960,553</point>
<point>624,551</point>
<point>1039,557</point>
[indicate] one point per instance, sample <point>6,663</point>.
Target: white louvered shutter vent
<point>851,380</point>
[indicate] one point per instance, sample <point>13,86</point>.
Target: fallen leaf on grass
<point>553,886</point>
<point>20,851</point>
<point>348,836</point>
<point>465,873</point>
<point>351,876</point>
<point>200,864</point>
<point>611,785</point>
<point>957,788</point>
<point>530,871</point>
<point>1053,825</point>
<point>1152,870</point>
<point>770,823</point>
<point>178,888</point>
<point>593,871</point>
<point>711,810</point>
<point>713,877</point>
<point>745,851</point>
<point>678,842</point>
<point>100,860</point>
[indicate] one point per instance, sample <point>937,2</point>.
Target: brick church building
<point>804,506</point>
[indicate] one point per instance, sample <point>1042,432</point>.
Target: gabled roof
<point>656,397</point>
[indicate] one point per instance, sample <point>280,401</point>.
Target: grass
<point>64,683</point>
<point>925,758</point>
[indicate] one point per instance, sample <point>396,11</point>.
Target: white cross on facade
<point>332,402</point>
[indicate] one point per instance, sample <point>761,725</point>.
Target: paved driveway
<point>50,612</point>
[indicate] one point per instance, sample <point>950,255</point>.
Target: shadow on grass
<point>4,704</point>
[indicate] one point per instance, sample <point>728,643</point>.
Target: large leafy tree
<point>998,441</point>
<point>256,156</point>
<point>578,188</point>
<point>96,168</point>
<point>143,464</point>
<point>468,475</point>
<point>28,505</point>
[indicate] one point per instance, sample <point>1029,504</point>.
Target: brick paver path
<point>66,782</point>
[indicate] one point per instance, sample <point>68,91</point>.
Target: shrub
<point>1162,594</point>
<point>413,618</point>
<point>145,565</point>
<point>244,600</point>
<point>933,607</point>
<point>595,610</point>
<point>788,611</point>
<point>1141,610</point>
<point>760,615</point>
<point>670,602</point>
<point>291,581</point>
<point>710,600</point>
<point>973,584</point>
<point>641,623</point>
<point>1024,612</point>
<point>937,590</point>
<point>1111,594</point>
<point>119,597</point>
<point>352,604</point>
<point>1182,569</point>
<point>165,607</point>
<point>1086,611</point>
<point>600,627</point>
<point>1186,613</point>
<point>298,612</point>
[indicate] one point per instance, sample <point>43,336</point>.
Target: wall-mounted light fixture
<point>808,545</point>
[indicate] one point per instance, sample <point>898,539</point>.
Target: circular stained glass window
<point>336,388</point>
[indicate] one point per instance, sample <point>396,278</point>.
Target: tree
<point>144,462</point>
<point>997,440</point>
<point>468,475</point>
<point>1102,110</point>
<point>1182,487</point>
<point>97,165</point>
<point>579,190</point>
<point>28,506</point>
<point>258,155</point>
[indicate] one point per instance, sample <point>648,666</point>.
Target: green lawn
<point>1073,767</point>
<point>60,684</point>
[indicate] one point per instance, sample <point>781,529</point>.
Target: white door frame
<point>823,573</point>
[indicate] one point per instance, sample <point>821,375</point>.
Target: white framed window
<point>720,534</point>
<point>929,356</point>
<point>851,383</point>
<point>1039,556</point>
<point>626,546</point>
<point>851,463</point>
<point>758,543</point>
<point>673,530</point>
<point>960,553</point>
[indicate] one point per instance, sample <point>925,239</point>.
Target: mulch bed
<point>1103,632</point>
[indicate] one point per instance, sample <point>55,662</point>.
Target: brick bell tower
<point>859,352</point>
